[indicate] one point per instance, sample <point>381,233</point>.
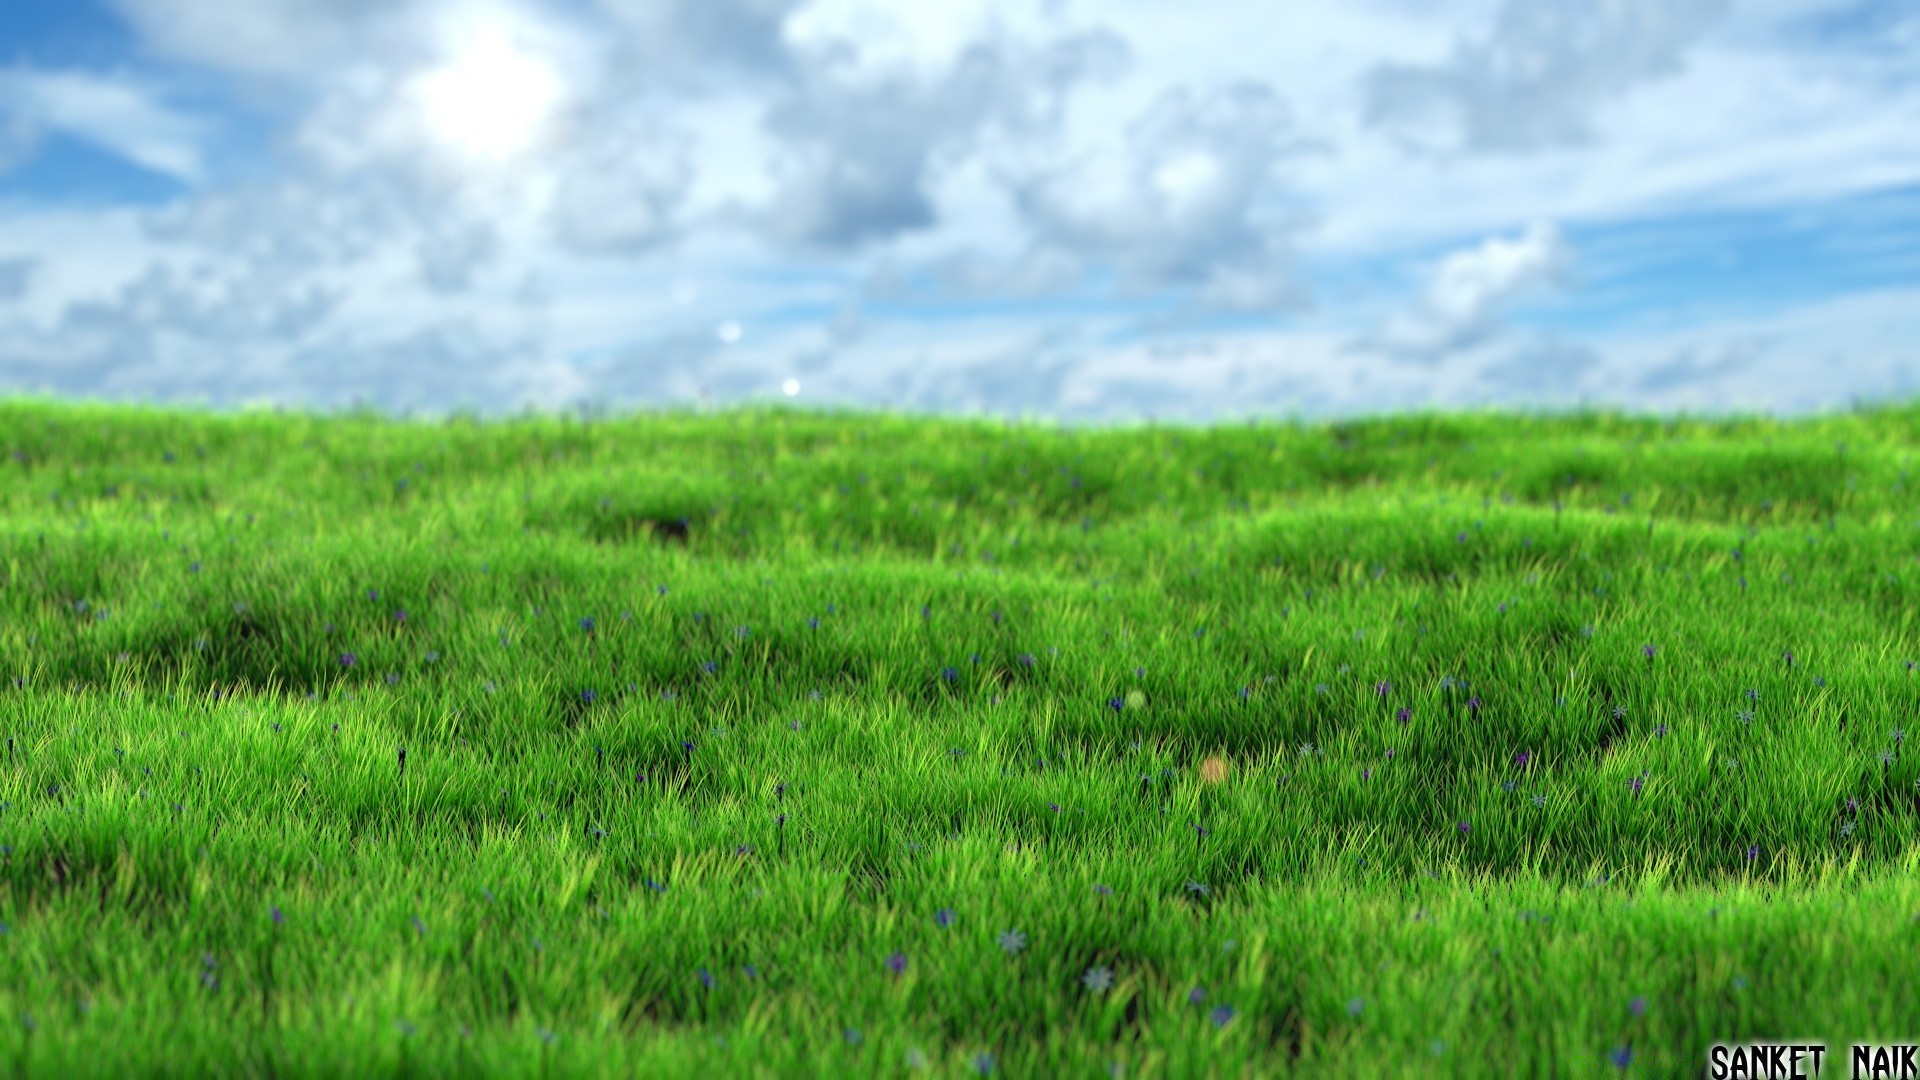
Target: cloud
<point>280,39</point>
<point>16,277</point>
<point>1188,201</point>
<point>225,306</point>
<point>858,157</point>
<point>1469,288</point>
<point>115,114</point>
<point>449,257</point>
<point>1005,381</point>
<point>1544,369</point>
<point>285,223</point>
<point>1694,366</point>
<point>1535,83</point>
<point>702,46</point>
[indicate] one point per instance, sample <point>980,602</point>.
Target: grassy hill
<point>776,743</point>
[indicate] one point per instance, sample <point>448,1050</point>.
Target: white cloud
<point>1536,81</point>
<point>1469,288</point>
<point>449,257</point>
<point>1188,201</point>
<point>115,114</point>
<point>860,156</point>
<point>622,188</point>
<point>277,39</point>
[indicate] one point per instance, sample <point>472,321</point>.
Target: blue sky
<point>1089,211</point>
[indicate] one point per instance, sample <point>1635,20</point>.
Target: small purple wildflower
<point>1622,1057</point>
<point>400,615</point>
<point>983,1062</point>
<point>1116,704</point>
<point>1355,1005</point>
<point>1404,714</point>
<point>348,659</point>
<point>1637,1006</point>
<point>588,697</point>
<point>1753,852</point>
<point>1464,828</point>
<point>1103,890</point>
<point>706,978</point>
<point>1384,688</point>
<point>1197,995</point>
<point>949,674</point>
<point>278,918</point>
<point>897,962</point>
<point>1520,759</point>
<point>1223,1015</point>
<point>1649,650</point>
<point>944,917</point>
<point>587,624</point>
<point>1473,704</point>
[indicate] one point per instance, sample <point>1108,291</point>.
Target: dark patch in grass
<point>1288,1030</point>
<point>59,869</point>
<point>1614,728</point>
<point>641,1011</point>
<point>626,528</point>
<point>1132,1024</point>
<point>869,868</point>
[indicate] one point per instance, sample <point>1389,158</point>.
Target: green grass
<point>872,681</point>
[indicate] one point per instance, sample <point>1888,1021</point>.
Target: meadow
<point>780,743</point>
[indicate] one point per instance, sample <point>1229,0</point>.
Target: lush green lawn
<point>771,743</point>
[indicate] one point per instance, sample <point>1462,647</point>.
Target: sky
<point>1090,211</point>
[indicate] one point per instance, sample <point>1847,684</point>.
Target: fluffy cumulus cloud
<point>1468,289</point>
<point>1537,79</point>
<point>622,188</point>
<point>859,157</point>
<point>1043,206</point>
<point>1188,199</point>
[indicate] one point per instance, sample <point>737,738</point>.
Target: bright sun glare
<point>490,99</point>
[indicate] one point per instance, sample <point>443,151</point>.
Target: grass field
<point>772,743</point>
